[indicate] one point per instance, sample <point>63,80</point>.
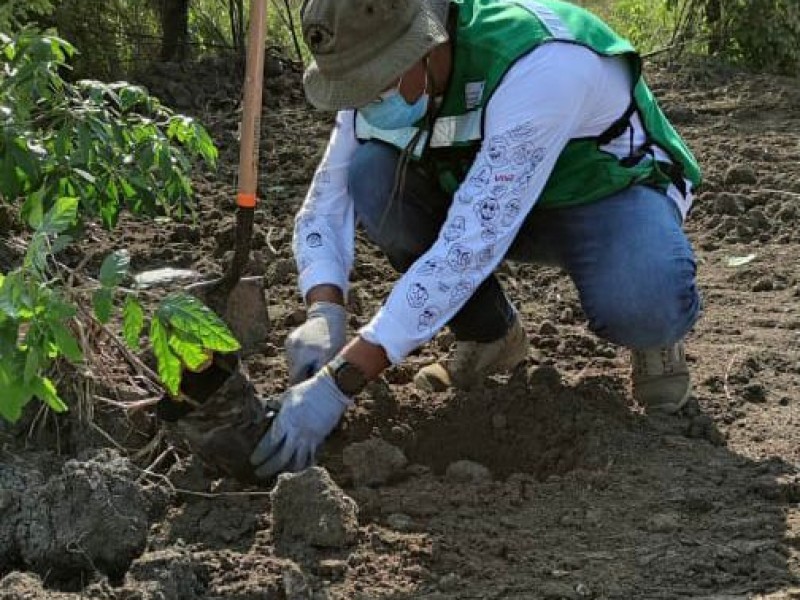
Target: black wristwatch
<point>348,377</point>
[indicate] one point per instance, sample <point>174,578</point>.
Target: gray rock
<point>14,481</point>
<point>467,471</point>
<point>741,174</point>
<point>400,522</point>
<point>373,462</point>
<point>295,585</point>
<point>22,586</point>
<point>168,573</point>
<point>93,516</point>
<point>309,508</point>
<point>663,523</point>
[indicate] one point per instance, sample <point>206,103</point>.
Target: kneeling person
<point>469,132</point>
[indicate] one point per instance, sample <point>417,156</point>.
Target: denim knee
<point>657,311</point>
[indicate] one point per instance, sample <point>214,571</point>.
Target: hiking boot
<point>471,362</point>
<point>660,377</point>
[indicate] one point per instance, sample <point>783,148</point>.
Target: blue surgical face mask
<point>392,111</point>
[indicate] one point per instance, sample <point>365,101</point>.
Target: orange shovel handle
<point>251,112</point>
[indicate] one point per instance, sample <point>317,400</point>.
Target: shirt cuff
<point>322,272</point>
<point>386,331</point>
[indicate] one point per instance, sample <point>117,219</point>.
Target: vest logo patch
<point>473,94</point>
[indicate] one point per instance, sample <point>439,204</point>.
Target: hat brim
<point>363,84</point>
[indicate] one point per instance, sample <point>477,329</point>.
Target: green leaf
<point>47,392</point>
<point>190,351</point>
<point>13,297</point>
<point>103,302</point>
<point>36,253</point>
<point>114,268</point>
<point>60,243</point>
<point>66,342</point>
<point>132,322</point>
<point>33,210</point>
<point>33,362</point>
<point>15,393</point>
<point>58,310</point>
<point>188,315</point>
<point>169,366</point>
<point>61,217</point>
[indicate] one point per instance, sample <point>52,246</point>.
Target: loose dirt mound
<point>585,497</point>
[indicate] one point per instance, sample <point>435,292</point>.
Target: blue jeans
<point>627,254</point>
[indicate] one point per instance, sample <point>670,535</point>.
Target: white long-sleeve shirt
<point>554,94</point>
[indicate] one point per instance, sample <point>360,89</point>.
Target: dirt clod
<point>373,462</point>
<point>309,508</point>
<point>467,471</point>
<point>741,174</point>
<point>93,516</point>
<point>295,586</point>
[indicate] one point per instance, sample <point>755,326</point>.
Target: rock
<point>740,174</point>
<point>729,204</point>
<point>548,329</point>
<point>499,421</point>
<point>295,586</point>
<point>332,568</point>
<point>309,508</point>
<point>400,522</point>
<point>281,271</point>
<point>168,573</point>
<point>91,517</point>
<point>449,582</point>
<point>467,471</point>
<point>754,392</point>
<point>373,462</point>
<point>22,586</point>
<point>546,375</point>
<point>765,284</point>
<point>663,523</point>
<point>14,481</point>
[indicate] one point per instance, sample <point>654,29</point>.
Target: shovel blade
<point>243,308</point>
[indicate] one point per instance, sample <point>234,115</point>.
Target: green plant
<point>14,13</point>
<point>71,153</point>
<point>648,24</point>
<point>764,34</point>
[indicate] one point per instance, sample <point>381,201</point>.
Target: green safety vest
<point>489,36</point>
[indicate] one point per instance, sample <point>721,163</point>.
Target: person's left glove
<point>309,411</point>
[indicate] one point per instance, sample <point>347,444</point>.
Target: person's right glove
<point>315,342</point>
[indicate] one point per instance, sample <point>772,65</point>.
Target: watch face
<point>350,379</point>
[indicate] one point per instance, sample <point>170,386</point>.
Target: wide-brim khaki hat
<point>360,47</point>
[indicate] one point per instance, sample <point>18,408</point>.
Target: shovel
<point>241,301</point>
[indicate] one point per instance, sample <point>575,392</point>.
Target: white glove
<point>309,412</point>
<point>315,342</point>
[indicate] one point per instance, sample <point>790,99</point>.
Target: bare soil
<point>589,498</point>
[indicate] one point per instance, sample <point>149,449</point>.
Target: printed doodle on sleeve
<point>487,210</point>
<point>485,256</point>
<point>461,291</point>
<point>431,267</point>
<point>482,177</point>
<point>497,152</point>
<point>314,239</point>
<point>427,318</point>
<point>455,229</point>
<point>489,234</point>
<point>417,295</point>
<point>459,258</point>
<point>510,213</point>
